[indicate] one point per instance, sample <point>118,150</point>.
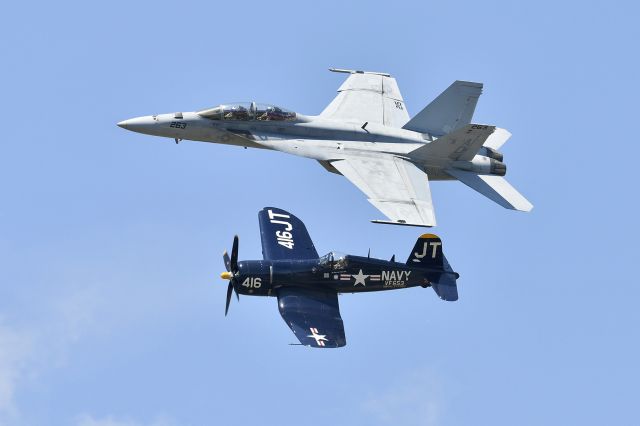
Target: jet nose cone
<point>144,124</point>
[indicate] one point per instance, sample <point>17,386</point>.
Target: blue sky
<point>111,312</point>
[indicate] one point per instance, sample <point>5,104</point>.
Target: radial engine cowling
<point>254,277</point>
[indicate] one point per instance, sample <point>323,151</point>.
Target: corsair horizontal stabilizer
<point>445,285</point>
<point>451,110</point>
<point>495,188</point>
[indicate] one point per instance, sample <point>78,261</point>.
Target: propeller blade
<point>229,290</point>
<point>234,255</point>
<point>227,261</point>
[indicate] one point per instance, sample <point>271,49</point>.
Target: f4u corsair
<point>365,134</point>
<point>307,286</point>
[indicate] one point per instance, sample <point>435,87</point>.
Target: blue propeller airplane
<point>307,285</point>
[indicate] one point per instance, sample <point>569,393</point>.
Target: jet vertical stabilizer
<point>451,110</point>
<point>367,96</point>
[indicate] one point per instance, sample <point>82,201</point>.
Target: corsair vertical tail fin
<point>428,253</point>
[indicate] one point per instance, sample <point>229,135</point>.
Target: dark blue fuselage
<point>349,274</point>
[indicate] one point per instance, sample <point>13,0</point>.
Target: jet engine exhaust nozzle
<point>498,168</point>
<point>492,153</point>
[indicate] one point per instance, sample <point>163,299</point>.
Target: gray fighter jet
<point>365,134</point>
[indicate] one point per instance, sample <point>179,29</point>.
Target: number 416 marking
<point>252,282</point>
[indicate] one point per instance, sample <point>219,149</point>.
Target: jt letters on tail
<point>425,250</point>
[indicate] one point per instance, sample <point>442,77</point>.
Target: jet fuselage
<point>366,135</point>
<point>307,136</point>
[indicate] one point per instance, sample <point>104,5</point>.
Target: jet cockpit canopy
<point>247,111</point>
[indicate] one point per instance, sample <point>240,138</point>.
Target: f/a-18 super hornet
<point>365,134</point>
<point>307,285</point>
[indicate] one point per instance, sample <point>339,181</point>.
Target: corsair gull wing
<point>394,186</point>
<point>368,97</point>
<point>313,315</point>
<point>284,236</point>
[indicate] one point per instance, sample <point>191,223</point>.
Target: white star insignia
<point>360,278</point>
<point>320,338</point>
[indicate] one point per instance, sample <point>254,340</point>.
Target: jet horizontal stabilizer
<point>496,188</point>
<point>460,145</point>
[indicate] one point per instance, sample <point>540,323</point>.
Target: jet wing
<point>368,97</point>
<point>313,316</point>
<point>284,236</point>
<point>394,186</point>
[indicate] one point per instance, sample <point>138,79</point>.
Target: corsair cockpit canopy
<point>248,111</point>
<point>334,260</point>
